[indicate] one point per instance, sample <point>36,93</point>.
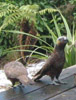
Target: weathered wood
<point>68,72</point>
<point>14,92</point>
<point>38,89</point>
<point>47,91</point>
<point>68,95</point>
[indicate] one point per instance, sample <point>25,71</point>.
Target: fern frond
<point>49,10</point>
<point>7,9</point>
<point>30,8</point>
<point>14,13</point>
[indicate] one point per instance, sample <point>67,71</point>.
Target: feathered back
<point>16,70</point>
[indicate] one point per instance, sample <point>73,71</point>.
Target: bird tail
<point>25,80</point>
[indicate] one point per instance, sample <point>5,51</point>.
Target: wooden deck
<point>43,90</point>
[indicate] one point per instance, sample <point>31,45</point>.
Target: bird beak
<point>66,41</point>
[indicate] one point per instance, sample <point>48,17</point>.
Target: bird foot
<point>36,80</point>
<point>54,83</point>
<point>61,82</point>
<point>20,85</point>
<point>32,82</point>
<point>13,86</point>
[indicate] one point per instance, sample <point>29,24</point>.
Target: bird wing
<point>25,80</point>
<point>55,61</point>
<point>48,65</point>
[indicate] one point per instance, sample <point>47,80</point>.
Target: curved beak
<point>66,41</point>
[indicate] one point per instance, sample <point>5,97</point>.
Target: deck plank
<point>68,72</point>
<point>68,95</point>
<point>12,93</point>
<point>48,91</point>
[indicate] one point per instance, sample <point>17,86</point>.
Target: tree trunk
<point>26,40</point>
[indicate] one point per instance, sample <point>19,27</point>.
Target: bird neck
<point>59,48</point>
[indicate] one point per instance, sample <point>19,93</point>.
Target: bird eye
<point>61,40</point>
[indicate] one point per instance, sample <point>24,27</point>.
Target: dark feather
<point>55,62</point>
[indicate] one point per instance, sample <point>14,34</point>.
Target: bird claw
<point>61,82</point>
<point>54,83</point>
<point>32,82</point>
<point>36,80</point>
<point>20,85</point>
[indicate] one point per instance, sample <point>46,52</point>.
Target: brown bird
<point>16,72</point>
<point>55,62</point>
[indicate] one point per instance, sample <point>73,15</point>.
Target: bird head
<point>62,41</point>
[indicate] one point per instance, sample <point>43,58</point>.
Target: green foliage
<point>10,17</point>
<point>72,1</point>
<point>48,20</point>
<point>70,50</point>
<point>12,14</point>
<point>15,14</point>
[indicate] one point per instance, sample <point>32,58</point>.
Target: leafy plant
<point>55,25</point>
<point>11,17</point>
<point>16,14</point>
<point>70,50</point>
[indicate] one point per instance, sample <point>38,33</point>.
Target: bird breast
<point>60,60</point>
